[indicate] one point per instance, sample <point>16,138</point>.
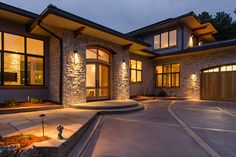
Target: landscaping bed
<point>27,104</point>
<point>23,141</point>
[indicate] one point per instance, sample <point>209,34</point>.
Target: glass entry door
<point>97,81</point>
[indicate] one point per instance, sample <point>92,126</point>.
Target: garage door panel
<point>218,85</point>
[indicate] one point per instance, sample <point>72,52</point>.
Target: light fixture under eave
<point>76,56</point>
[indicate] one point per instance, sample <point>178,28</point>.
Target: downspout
<point>61,60</point>
<point>182,28</point>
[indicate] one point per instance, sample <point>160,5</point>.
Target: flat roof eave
<point>63,15</point>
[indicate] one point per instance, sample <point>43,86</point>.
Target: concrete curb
<point>211,151</point>
<point>65,148</point>
<point>29,109</point>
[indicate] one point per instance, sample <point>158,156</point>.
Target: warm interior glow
<point>91,53</point>
<point>173,38</point>
<point>168,75</point>
<point>164,40</point>
<point>0,40</point>
<point>103,56</point>
<point>135,71</point>
<point>35,71</point>
<point>13,69</point>
<point>90,75</point>
<point>14,43</point>
<point>157,42</point>
<point>35,47</point>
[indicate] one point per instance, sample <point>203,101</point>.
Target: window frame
<point>26,55</point>
<point>169,73</point>
<point>160,34</point>
<point>136,70</point>
<point>97,56</point>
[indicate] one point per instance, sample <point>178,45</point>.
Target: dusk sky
<point>127,15</point>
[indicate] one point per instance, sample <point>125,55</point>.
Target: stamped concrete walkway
<point>30,123</point>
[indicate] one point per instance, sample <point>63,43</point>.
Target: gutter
<point>61,60</point>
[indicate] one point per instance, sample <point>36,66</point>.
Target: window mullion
<point>26,64</point>
<point>2,60</point>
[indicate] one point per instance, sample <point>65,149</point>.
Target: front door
<point>97,81</point>
<point>97,74</point>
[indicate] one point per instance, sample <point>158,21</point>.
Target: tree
<point>235,11</point>
<point>224,23</point>
<point>205,16</point>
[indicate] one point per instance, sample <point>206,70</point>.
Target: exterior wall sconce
<point>190,44</point>
<point>76,56</point>
<point>123,64</point>
<point>193,76</point>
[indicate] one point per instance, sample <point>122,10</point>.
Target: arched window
<point>98,54</point>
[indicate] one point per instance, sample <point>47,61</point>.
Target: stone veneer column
<point>74,70</point>
<point>121,76</point>
<point>54,69</point>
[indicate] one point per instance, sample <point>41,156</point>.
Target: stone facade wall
<point>54,69</point>
<point>193,64</point>
<point>74,68</point>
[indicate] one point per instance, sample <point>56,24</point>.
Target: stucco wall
<point>148,82</point>
<point>189,64</point>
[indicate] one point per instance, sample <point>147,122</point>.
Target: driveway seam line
<point>210,150</point>
<point>226,112</point>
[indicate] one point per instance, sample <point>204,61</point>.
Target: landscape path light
<point>42,116</point>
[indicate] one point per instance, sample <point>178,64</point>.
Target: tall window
<point>22,60</point>
<point>135,71</point>
<point>165,40</point>
<point>167,75</point>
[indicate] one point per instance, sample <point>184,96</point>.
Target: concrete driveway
<point>155,131</point>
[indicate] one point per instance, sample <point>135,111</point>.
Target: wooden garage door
<point>219,83</point>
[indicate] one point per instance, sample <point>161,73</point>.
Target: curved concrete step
<point>107,105</point>
<point>122,111</point>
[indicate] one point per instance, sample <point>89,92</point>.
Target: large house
<point>64,58</point>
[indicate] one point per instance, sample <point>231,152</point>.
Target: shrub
<point>162,94</point>
<point>10,102</point>
<point>35,100</point>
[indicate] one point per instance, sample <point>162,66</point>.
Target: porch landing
<point>111,106</point>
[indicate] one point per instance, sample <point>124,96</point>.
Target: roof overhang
<point>55,19</point>
<point>15,14</point>
<point>203,29</point>
<point>221,45</point>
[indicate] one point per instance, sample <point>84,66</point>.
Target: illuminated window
<point>135,71</point>
<point>97,54</point>
<point>223,68</point>
<point>14,43</point>
<point>165,40</point>
<point>35,47</point>
<point>35,71</point>
<point>14,69</point>
<point>173,38</point>
<point>103,56</point>
<point>0,40</point>
<point>21,66</point>
<point>167,76</point>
